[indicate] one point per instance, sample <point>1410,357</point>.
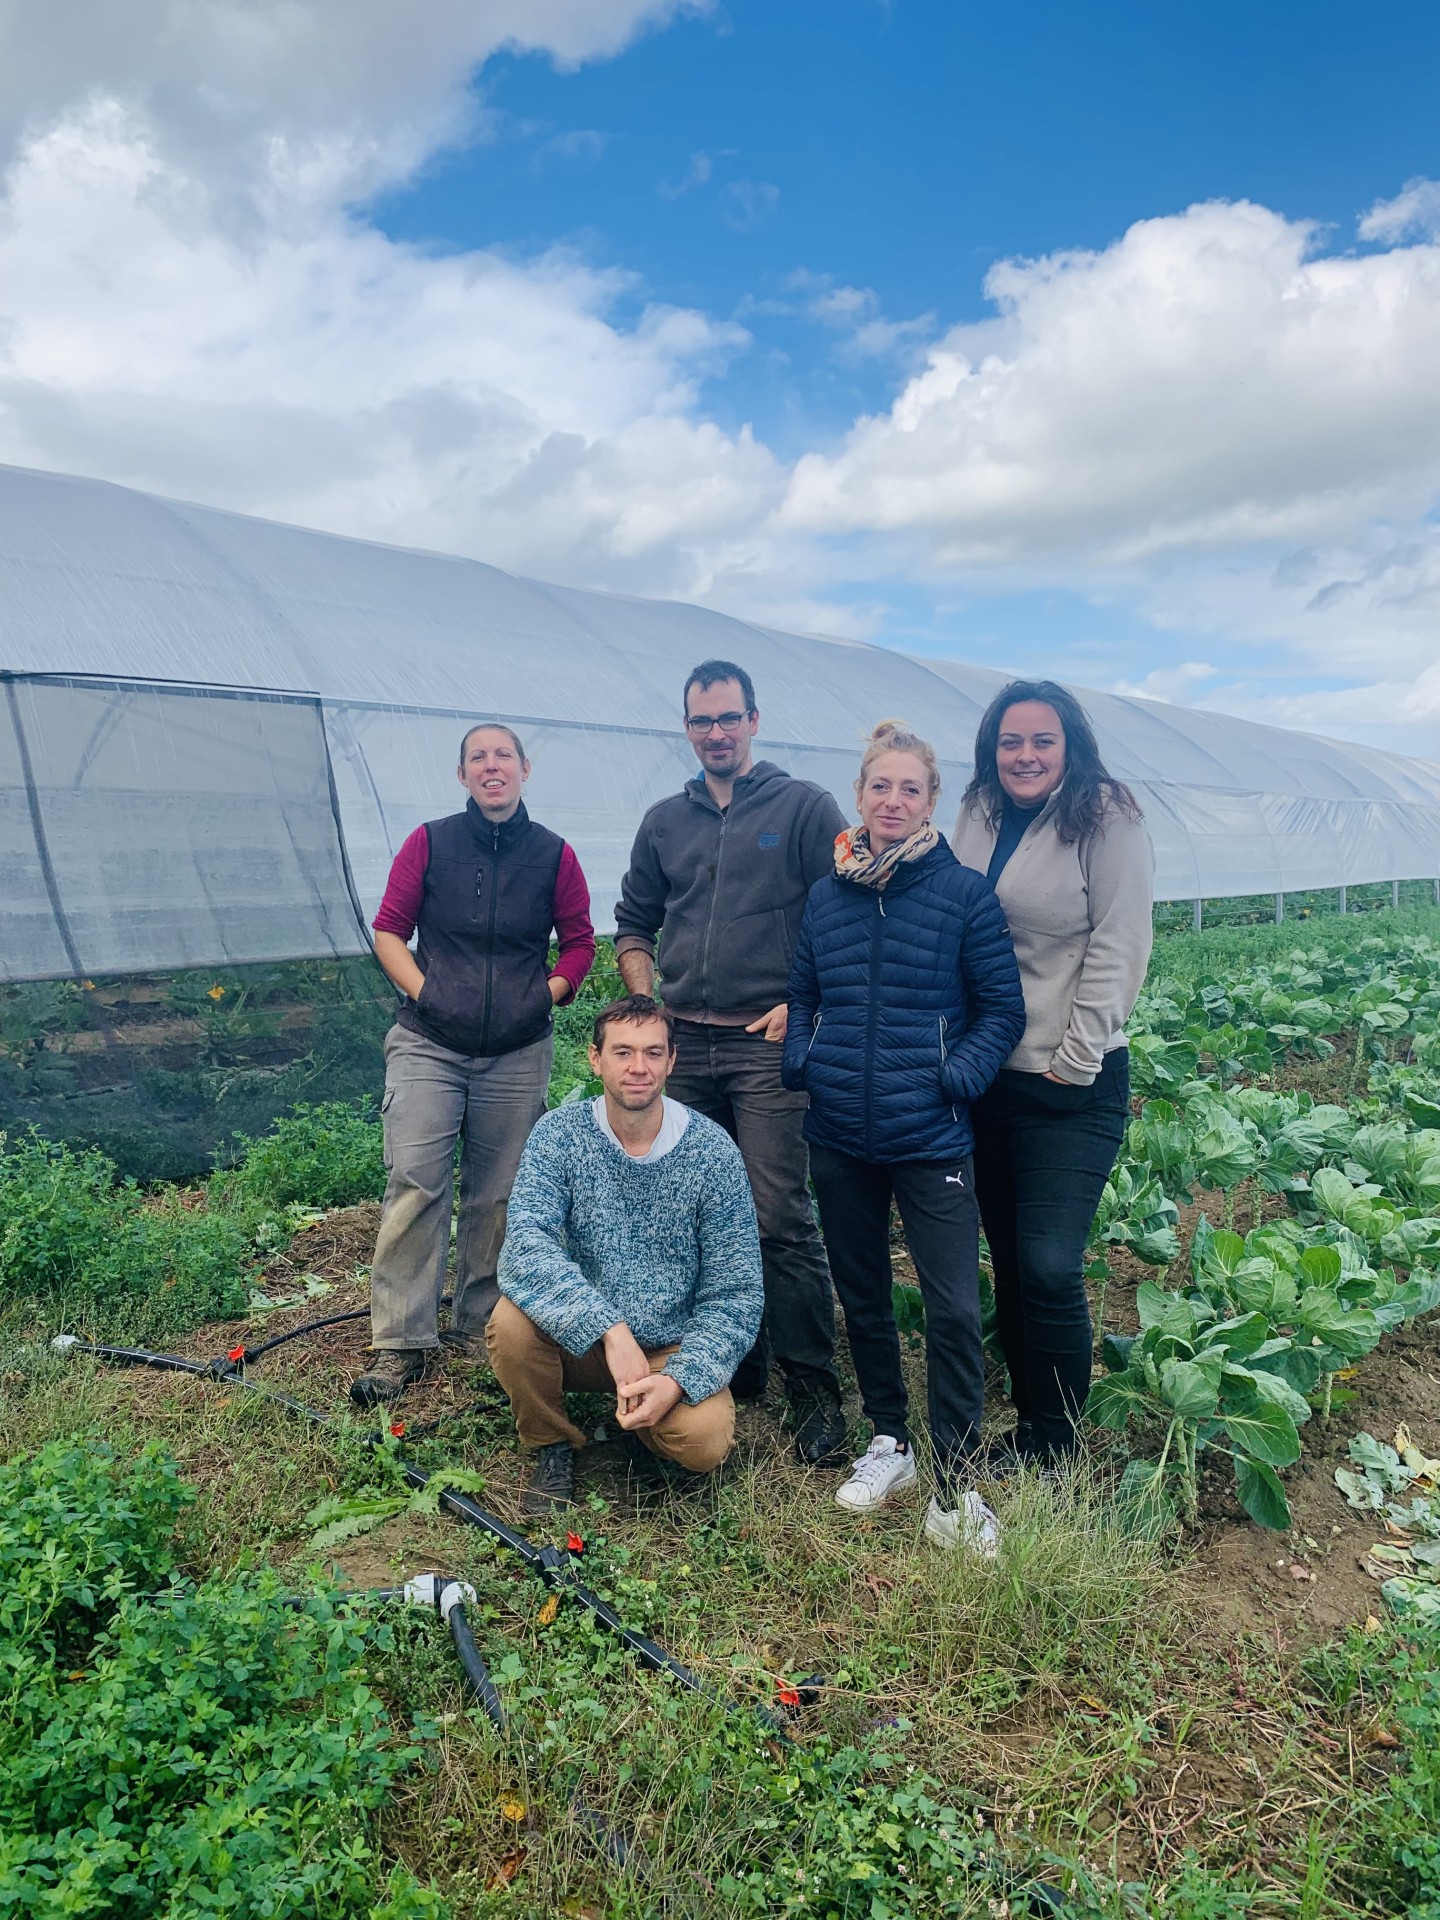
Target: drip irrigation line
<point>246,1356</point>
<point>555,1567</point>
<point>249,1355</point>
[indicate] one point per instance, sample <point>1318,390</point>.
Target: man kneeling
<point>631,1262</point>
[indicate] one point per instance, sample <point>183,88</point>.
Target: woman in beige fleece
<point>1065,848</point>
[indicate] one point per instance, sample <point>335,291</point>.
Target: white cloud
<point>1210,427</point>
<point>746,204</point>
<point>1172,684</point>
<point>580,147</point>
<point>363,90</point>
<point>320,372</point>
<point>697,174</point>
<point>1205,384</point>
<point>1415,209</point>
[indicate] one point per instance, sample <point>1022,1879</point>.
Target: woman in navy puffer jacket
<point>905,1002</point>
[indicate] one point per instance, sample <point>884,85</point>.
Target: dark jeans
<point>937,1208</point>
<point>733,1077</point>
<point>1043,1153</point>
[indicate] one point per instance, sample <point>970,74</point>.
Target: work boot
<point>819,1433</point>
<point>394,1369</point>
<point>552,1481</point>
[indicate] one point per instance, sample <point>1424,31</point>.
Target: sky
<point>1099,341</point>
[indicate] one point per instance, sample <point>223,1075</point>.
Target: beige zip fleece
<point>1080,917</point>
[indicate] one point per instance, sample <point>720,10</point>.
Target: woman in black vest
<point>468,1058</point>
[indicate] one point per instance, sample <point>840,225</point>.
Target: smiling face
<point>1030,752</point>
<point>492,772</point>
<point>895,799</point>
<point>721,750</point>
<point>633,1062</point>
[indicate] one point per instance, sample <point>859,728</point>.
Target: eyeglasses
<point>705,722</point>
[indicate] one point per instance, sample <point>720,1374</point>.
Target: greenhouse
<point>218,730</point>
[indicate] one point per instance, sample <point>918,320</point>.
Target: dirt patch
<point>1309,1582</point>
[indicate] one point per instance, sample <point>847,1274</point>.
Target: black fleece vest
<point>484,933</point>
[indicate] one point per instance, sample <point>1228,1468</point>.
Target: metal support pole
<point>1394,893</point>
<point>1197,910</point>
<point>1436,885</point>
<point>1344,908</point>
<point>1279,908</point>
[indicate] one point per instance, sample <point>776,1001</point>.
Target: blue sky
<point>904,147</point>
<point>1098,339</point>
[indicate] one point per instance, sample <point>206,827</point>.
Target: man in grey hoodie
<point>719,873</point>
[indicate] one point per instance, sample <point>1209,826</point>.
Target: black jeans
<point>733,1077</point>
<point>1043,1153</point>
<point>942,1229</point>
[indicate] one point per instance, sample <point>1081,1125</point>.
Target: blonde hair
<point>893,736</point>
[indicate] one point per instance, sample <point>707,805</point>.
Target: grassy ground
<point>1157,1724</point>
<point>1140,1710</point>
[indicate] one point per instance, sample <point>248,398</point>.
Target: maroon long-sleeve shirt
<point>405,890</point>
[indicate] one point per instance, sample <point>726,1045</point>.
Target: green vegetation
<point>1238,1359</point>
<point>168,1748</point>
<point>1114,1705</point>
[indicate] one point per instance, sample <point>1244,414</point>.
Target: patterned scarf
<point>855,861</point>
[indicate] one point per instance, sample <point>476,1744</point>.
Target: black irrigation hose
<point>555,1568</point>
<point>249,1354</point>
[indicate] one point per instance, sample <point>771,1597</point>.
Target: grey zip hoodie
<point>725,891</point>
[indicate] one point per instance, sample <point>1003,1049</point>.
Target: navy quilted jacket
<point>904,1005</point>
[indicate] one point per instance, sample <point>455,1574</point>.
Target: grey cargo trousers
<point>434,1098</point>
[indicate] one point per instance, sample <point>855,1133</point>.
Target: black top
<point>1014,819</point>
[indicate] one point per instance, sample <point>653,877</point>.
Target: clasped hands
<point>642,1398</point>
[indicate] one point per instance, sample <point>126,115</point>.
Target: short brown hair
<point>632,1011</point>
<point>491,726</point>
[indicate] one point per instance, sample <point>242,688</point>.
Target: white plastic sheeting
<point>216,731</point>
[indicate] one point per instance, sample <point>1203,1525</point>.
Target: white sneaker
<point>880,1471</point>
<point>971,1525</point>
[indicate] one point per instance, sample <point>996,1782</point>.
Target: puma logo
<point>954,1179</point>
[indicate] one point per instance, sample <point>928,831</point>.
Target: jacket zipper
<point>490,935</point>
<point>872,1016</point>
<point>714,897</point>
<point>944,1062</point>
<point>814,1034</point>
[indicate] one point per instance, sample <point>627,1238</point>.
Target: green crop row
<point>1238,1353</point>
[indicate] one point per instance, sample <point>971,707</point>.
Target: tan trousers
<point>536,1373</point>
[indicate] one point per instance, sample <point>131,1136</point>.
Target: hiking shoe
<point>820,1435</point>
<point>394,1369</point>
<point>884,1468</point>
<point>971,1525</point>
<point>552,1480</point>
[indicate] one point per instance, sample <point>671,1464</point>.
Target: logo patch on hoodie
<point>767,840</point>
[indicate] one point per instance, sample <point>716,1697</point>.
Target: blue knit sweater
<point>669,1247</point>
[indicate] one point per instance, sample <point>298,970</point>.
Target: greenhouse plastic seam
<point>551,1563</point>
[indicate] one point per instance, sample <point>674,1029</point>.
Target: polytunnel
<point>218,730</point>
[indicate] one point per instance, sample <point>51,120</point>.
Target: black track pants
<point>937,1208</point>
